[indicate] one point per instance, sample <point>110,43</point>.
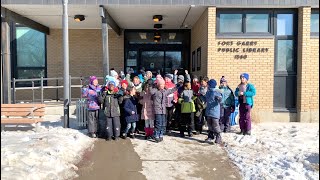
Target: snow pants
<point>112,127</point>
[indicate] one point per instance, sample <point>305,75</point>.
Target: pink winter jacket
<point>147,112</point>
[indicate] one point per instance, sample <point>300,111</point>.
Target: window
<point>199,59</point>
<point>314,22</point>
<point>243,22</point>
<point>285,68</point>
<point>257,23</point>
<point>230,23</point>
<point>30,55</point>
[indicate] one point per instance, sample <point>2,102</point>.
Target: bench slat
<point>13,113</point>
<point>20,120</point>
<point>21,109</point>
<point>23,105</point>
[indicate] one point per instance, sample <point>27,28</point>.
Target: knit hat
<point>92,78</point>
<point>160,81</point>
<point>212,83</point>
<point>124,82</point>
<point>110,78</point>
<point>223,79</point>
<point>170,76</point>
<point>195,77</point>
<point>181,77</point>
<point>245,75</point>
<point>111,83</point>
<point>113,73</point>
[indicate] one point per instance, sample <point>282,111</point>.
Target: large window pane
<point>257,23</point>
<point>285,56</point>
<point>285,24</point>
<point>284,92</point>
<point>315,22</point>
<point>173,61</point>
<point>152,61</point>
<point>30,47</point>
<point>230,23</point>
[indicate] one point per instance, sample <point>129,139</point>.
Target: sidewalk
<point>174,158</point>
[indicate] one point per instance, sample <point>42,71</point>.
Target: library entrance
<point>157,51</point>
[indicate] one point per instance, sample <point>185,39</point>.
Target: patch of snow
<point>276,151</point>
<point>49,153</point>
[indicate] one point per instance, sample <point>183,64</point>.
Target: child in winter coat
<point>227,105</point>
<point>159,103</point>
<point>201,105</point>
<point>245,92</point>
<point>131,112</point>
<point>171,100</point>
<point>213,99</point>
<point>91,93</point>
<point>187,110</point>
<point>195,85</point>
<point>110,100</point>
<point>123,93</point>
<point>147,113</point>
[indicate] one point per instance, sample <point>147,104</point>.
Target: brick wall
<point>85,58</point>
<point>308,70</point>
<point>199,38</point>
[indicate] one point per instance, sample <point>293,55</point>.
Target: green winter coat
<point>187,107</point>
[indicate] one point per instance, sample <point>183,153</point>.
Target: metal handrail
<point>42,87</point>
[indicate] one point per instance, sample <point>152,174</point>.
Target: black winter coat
<point>130,104</point>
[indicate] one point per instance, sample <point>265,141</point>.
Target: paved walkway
<point>174,158</point>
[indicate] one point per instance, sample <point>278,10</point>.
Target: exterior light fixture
<point>157,18</point>
<point>156,39</point>
<point>79,18</point>
<point>157,35</point>
<point>157,26</point>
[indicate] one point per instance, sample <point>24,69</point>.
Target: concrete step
<point>58,110</point>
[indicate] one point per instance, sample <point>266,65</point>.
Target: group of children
<point>128,102</point>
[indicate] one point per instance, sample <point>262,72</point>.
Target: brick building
<point>276,42</point>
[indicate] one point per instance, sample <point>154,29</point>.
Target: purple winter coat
<point>91,93</point>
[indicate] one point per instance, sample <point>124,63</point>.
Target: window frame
<point>244,13</point>
<point>314,34</point>
<point>279,74</point>
<point>14,57</point>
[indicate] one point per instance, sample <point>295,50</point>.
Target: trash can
<point>234,114</point>
<point>82,113</point>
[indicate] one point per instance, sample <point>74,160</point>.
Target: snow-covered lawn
<point>50,153</point>
<point>276,151</point>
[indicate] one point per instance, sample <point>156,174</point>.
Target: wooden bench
<point>22,114</point>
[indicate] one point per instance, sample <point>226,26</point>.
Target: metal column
<point>66,75</point>
<point>105,45</point>
<point>5,62</point>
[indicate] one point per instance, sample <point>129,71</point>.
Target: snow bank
<point>276,151</point>
<point>50,153</point>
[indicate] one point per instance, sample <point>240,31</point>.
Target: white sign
<point>131,62</point>
<point>152,65</point>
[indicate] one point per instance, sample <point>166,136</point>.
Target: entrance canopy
<point>126,16</point>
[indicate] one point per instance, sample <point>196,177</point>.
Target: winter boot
<point>146,130</point>
<point>124,135</point>
<point>218,138</point>
<point>241,132</point>
<point>247,133</point>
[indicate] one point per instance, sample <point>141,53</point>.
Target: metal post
<point>66,81</point>
<point>105,47</point>
<point>70,88</point>
<point>6,67</point>
<point>41,90</point>
<point>14,90</point>
<point>32,92</point>
<point>57,90</point>
<point>81,87</point>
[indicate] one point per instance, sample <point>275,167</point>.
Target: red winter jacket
<point>195,88</point>
<point>171,97</point>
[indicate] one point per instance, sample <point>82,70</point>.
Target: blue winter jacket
<point>213,99</point>
<point>250,92</point>
<point>227,97</point>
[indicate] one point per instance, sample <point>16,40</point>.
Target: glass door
<point>152,61</point>
<point>172,61</point>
